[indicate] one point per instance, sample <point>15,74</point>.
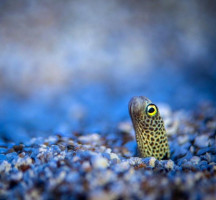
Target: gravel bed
<point>106,166</point>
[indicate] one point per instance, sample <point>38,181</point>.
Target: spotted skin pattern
<point>150,132</point>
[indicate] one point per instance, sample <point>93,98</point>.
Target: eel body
<point>149,128</point>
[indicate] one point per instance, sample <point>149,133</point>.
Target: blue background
<point>73,65</point>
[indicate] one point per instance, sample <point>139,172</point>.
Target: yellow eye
<point>151,110</point>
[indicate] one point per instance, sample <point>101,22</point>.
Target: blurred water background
<point>73,65</point>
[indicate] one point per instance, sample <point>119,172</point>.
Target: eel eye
<point>151,110</point>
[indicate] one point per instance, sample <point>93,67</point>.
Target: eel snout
<point>137,104</point>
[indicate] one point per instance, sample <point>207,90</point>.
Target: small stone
<point>114,156</point>
<point>5,167</point>
<point>23,161</point>
<point>169,165</point>
<point>208,157</point>
<point>11,156</point>
<point>206,149</point>
<point>171,126</point>
<point>186,158</point>
<point>99,162</point>
<point>182,139</point>
<point>61,176</point>
<point>198,176</point>
<point>201,141</point>
<point>187,165</point>
<point>16,176</point>
<point>195,160</point>
<point>212,142</point>
<point>100,194</point>
<point>135,161</point>
<point>108,150</point>
<point>93,138</point>
<point>51,140</point>
<point>179,152</point>
<point>72,177</point>
<point>55,149</point>
<point>189,181</point>
<point>33,194</point>
<point>152,161</point>
<point>211,125</point>
<point>203,163</point>
<point>43,148</point>
<point>192,149</point>
<point>122,166</point>
<point>86,166</point>
<point>128,176</point>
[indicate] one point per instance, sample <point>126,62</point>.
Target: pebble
<point>11,156</point>
<point>16,176</point>
<point>179,152</point>
<point>152,161</point>
<point>203,165</point>
<point>201,141</point>
<point>99,162</point>
<point>114,156</point>
<point>93,138</point>
<point>169,165</point>
<point>135,161</point>
<point>98,195</point>
<point>206,149</point>
<point>172,128</point>
<point>195,160</point>
<point>182,139</point>
<point>122,166</point>
<point>86,165</point>
<point>5,167</point>
<point>187,165</point>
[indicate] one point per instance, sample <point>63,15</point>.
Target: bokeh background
<point>70,66</point>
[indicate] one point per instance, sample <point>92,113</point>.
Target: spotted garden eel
<point>149,127</point>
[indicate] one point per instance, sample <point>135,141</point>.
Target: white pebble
<point>99,162</point>
<point>86,165</point>
<point>195,160</point>
<point>5,167</point>
<point>108,150</point>
<point>114,156</point>
<point>169,164</point>
<point>16,176</point>
<point>89,138</point>
<point>152,161</point>
<point>123,166</point>
<point>182,139</point>
<point>202,141</point>
<point>135,161</point>
<point>76,158</point>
